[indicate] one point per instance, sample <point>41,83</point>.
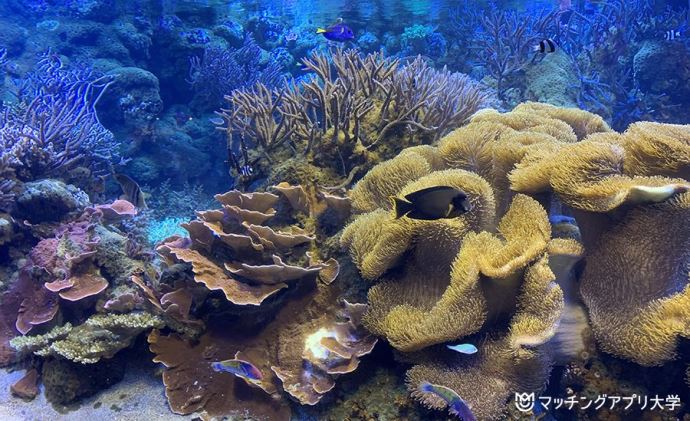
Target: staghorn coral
<point>100,336</point>
<point>284,304</point>
<point>349,110</point>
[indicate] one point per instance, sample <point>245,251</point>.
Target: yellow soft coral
<point>583,123</point>
<point>635,283</point>
<point>658,149</point>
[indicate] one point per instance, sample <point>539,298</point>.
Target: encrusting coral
<point>60,285</point>
<point>488,276</point>
<point>289,321</point>
<point>100,336</point>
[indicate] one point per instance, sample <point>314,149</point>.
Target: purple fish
<point>456,406</point>
<point>338,32</point>
<point>240,368</point>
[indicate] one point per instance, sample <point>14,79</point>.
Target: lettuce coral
<point>260,255</point>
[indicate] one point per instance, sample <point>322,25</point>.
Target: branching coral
<point>347,111</point>
<point>259,252</point>
<point>506,40</point>
<point>54,127</point>
<point>221,70</point>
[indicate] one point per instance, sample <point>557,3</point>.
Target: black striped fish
<point>246,170</point>
<point>545,46</point>
<point>671,35</point>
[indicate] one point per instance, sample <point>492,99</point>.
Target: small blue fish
<point>562,219</point>
<point>240,368</point>
<point>338,32</point>
<point>468,349</point>
<point>246,170</point>
<point>456,406</point>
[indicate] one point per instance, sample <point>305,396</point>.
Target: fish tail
<point>401,207</point>
<point>320,30</point>
<point>536,48</point>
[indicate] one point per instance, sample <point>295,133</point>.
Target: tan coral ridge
<point>629,194</point>
<point>490,273</point>
<point>287,318</point>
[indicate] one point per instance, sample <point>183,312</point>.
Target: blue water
<point>121,123</point>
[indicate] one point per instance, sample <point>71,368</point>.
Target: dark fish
<point>240,368</point>
<point>246,170</point>
<point>131,191</point>
<point>545,46</point>
<point>456,405</point>
<point>338,32</point>
<point>671,35</point>
<point>432,203</point>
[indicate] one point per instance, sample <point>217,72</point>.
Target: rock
<point>27,387</point>
<point>49,201</point>
<point>134,99</point>
<point>66,382</point>
<point>658,72</point>
<point>12,37</point>
<point>6,228</point>
<point>551,80</point>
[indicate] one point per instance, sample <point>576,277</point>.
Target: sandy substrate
<point>139,396</point>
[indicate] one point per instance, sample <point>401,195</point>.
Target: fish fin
<point>401,207</point>
<point>568,342</point>
<point>321,30</point>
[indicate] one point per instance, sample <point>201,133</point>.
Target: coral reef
<point>356,110</point>
<point>628,189</point>
<point>100,336</point>
<point>488,275</point>
<point>53,127</point>
<point>259,253</point>
<point>220,71</point>
<point>572,252</point>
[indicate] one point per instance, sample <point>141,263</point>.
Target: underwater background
<point>339,210</point>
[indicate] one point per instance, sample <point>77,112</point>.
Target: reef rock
<point>49,201</point>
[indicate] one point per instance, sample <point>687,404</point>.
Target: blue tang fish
<point>338,32</point>
<point>463,348</point>
<point>456,406</point>
<point>240,368</point>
